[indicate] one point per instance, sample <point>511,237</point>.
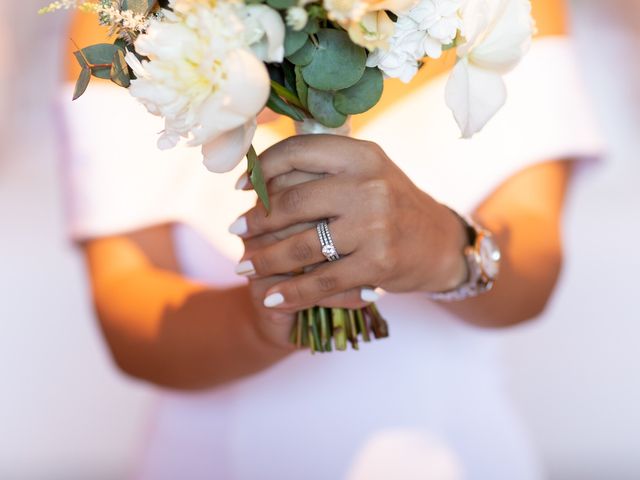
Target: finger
<point>297,252</point>
<point>310,153</point>
<point>254,244</point>
<point>280,182</point>
<point>354,298</point>
<point>325,281</point>
<point>308,202</point>
<point>286,180</point>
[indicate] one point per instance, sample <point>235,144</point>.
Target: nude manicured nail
<point>245,268</point>
<point>369,295</point>
<point>274,300</point>
<point>243,182</point>
<point>239,227</point>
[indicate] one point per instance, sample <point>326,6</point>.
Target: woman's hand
<point>389,233</point>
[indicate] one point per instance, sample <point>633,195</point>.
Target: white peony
<point>202,78</point>
<point>497,34</point>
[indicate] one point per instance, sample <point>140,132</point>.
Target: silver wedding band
<point>328,247</point>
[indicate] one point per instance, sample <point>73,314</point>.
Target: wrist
<point>449,268</point>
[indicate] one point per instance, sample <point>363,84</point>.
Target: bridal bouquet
<point>208,67</point>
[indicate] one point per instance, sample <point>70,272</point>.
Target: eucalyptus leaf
<point>304,55</point>
<point>313,26</point>
<point>321,107</point>
<point>121,43</point>
<point>101,55</point>
<point>138,6</point>
<point>82,83</point>
<point>289,75</point>
<point>294,41</point>
<point>120,70</point>
<point>301,87</point>
<point>362,96</point>
<point>278,105</point>
<point>254,172</point>
<point>281,4</point>
<point>337,63</point>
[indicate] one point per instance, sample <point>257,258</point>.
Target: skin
<point>169,330</point>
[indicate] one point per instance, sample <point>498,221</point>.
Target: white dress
<point>427,403</point>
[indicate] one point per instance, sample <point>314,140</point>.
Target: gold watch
<point>482,255</point>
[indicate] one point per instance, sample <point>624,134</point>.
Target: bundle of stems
<point>323,329</point>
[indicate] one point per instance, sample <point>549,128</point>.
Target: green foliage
<point>98,58</point>
<point>138,6</point>
<point>313,26</point>
<point>301,87</point>
<point>120,70</point>
<point>362,96</point>
<point>281,4</point>
<point>82,83</point>
<point>254,172</point>
<point>321,107</point>
<point>281,107</point>
<point>286,94</point>
<point>304,55</point>
<point>294,41</point>
<point>289,75</point>
<point>337,62</point>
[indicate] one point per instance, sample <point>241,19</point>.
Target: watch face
<point>489,256</point>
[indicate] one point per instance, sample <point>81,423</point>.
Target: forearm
<point>531,262</point>
<point>526,224</point>
<point>173,332</point>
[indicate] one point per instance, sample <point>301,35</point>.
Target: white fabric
<point>433,390</point>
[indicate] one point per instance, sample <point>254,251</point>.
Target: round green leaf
<point>304,55</point>
<point>294,41</point>
<point>362,96</point>
<point>281,4</point>
<point>321,107</point>
<point>337,62</point>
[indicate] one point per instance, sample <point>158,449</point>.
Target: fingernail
<point>242,182</point>
<point>245,268</point>
<point>369,295</point>
<point>273,300</point>
<point>239,227</point>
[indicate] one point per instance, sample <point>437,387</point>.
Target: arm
<point>395,236</point>
<point>166,329</point>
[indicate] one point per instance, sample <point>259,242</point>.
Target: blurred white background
<point>65,413</point>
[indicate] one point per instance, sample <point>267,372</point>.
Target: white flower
<point>265,32</point>
<point>297,18</point>
<point>202,78</point>
<point>497,34</point>
<point>374,30</point>
<point>439,18</point>
<point>421,32</point>
<point>344,11</point>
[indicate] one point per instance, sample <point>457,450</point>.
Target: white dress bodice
<point>426,403</point>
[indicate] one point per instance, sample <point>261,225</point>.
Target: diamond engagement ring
<point>328,248</point>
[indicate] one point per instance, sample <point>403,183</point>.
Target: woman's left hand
<point>389,233</point>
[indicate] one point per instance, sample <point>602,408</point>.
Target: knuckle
<point>301,251</point>
<point>383,257</point>
<point>293,146</point>
<point>295,293</point>
<point>326,283</point>
<point>291,200</point>
<point>261,264</point>
<point>374,152</point>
